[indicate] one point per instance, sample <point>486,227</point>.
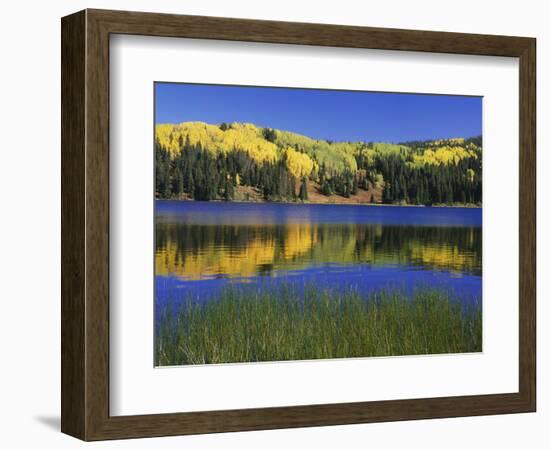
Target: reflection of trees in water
<point>195,251</point>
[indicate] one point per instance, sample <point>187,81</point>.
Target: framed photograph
<point>273,225</point>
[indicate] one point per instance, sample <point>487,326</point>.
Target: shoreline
<point>378,205</point>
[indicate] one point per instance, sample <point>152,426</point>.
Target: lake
<point>202,247</point>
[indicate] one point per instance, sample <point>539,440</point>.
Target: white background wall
<point>30,221</point>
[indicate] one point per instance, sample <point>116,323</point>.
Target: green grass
<point>249,325</point>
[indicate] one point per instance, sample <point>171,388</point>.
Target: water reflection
<point>204,243</point>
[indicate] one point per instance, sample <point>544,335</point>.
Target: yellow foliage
<point>245,137</point>
<point>371,156</point>
<point>443,155</point>
<point>336,156</point>
<point>451,140</point>
<point>299,164</point>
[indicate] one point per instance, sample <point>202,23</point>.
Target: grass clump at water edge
<point>252,325</point>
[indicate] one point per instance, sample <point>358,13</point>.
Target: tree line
<point>428,184</point>
<point>199,174</point>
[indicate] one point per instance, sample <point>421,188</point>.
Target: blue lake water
<point>202,247</point>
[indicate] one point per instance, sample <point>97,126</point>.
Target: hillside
<point>241,161</point>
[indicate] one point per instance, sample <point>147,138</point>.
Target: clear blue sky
<point>323,114</point>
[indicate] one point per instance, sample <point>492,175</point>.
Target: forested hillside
<point>237,161</point>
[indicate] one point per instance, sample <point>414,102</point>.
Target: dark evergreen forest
<point>199,174</point>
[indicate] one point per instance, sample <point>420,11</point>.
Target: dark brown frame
<point>85,224</point>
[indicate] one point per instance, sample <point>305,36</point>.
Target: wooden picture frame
<point>85,224</point>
